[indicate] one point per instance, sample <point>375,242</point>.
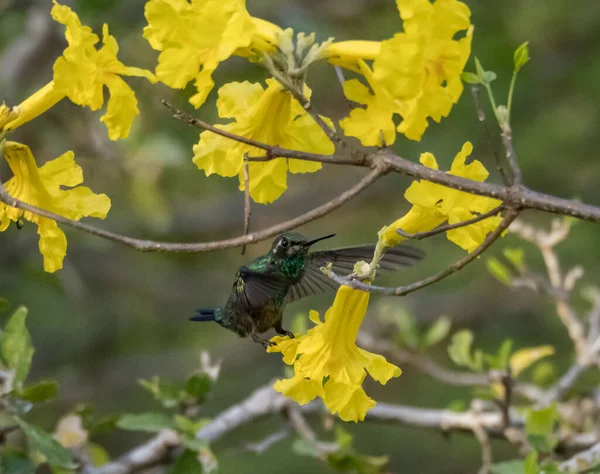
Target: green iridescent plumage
<point>288,272</point>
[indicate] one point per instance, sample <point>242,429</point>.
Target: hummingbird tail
<point>204,315</point>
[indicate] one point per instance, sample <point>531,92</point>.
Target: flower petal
<point>53,244</point>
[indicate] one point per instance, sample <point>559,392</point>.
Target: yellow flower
<point>328,364</point>
<point>269,116</point>
<point>41,187</point>
<point>434,204</point>
<point>38,103</point>
<point>415,74</point>
<point>82,72</point>
<point>375,121</point>
<point>195,37</point>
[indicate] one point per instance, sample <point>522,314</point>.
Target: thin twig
<point>511,215</point>
<point>546,241</point>
<point>564,384</point>
<point>246,200</point>
<point>511,154</point>
<point>445,228</point>
<point>482,118</point>
<point>154,246</point>
<point>482,437</point>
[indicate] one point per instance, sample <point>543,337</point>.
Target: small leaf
<point>188,426</point>
<point>15,463</point>
<point>186,463</point>
<point>470,78</point>
<point>479,68</point>
<point>98,455</point>
<point>408,334</point>
<point>499,271</point>
<point>194,444</point>
<point>304,447</point>
<point>40,392</point>
<point>342,437</point>
<point>41,441</point>
<point>168,394</point>
<point>500,360</point>
<point>539,427</point>
<point>459,351</point>
<point>150,422</point>
<point>489,77</point>
<point>438,331</point>
<point>521,56</point>
<point>530,465</point>
<point>16,348</point>
<point>198,386</point>
<point>523,358</point>
<point>509,467</point>
<point>516,256</point>
<point>4,305</point>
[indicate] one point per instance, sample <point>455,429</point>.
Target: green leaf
<point>530,466</point>
<point>459,351</point>
<point>194,444</point>
<point>489,77</point>
<point>53,451</point>
<point>188,426</point>
<point>509,467</point>
<point>437,331</point>
<point>150,422</point>
<point>40,392</point>
<point>342,437</point>
<point>470,78</point>
<point>199,386</point>
<point>16,348</point>
<point>539,427</point>
<point>16,463</point>
<point>479,69</point>
<point>98,455</point>
<point>4,305</point>
<point>521,56</point>
<point>408,334</point>
<point>186,463</point>
<point>516,256</point>
<point>168,394</point>
<point>304,447</point>
<point>500,360</point>
<point>499,271</point>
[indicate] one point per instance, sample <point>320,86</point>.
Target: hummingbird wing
<point>255,288</point>
<point>342,261</point>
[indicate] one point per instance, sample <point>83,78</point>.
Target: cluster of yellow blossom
<point>79,74</point>
<point>415,74</point>
<point>268,115</point>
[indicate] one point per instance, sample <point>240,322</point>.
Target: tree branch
<point>510,216</point>
<point>154,246</point>
<point>583,461</point>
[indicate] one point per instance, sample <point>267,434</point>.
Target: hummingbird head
<point>290,243</point>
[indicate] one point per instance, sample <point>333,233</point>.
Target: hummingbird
<point>288,272</point>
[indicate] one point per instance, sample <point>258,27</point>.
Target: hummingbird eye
<point>284,243</point>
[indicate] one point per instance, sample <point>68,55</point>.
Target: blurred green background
<point>114,315</point>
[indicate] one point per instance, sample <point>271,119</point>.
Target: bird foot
<point>266,344</point>
<point>289,334</point>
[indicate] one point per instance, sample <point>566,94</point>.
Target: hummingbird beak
<point>314,241</point>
